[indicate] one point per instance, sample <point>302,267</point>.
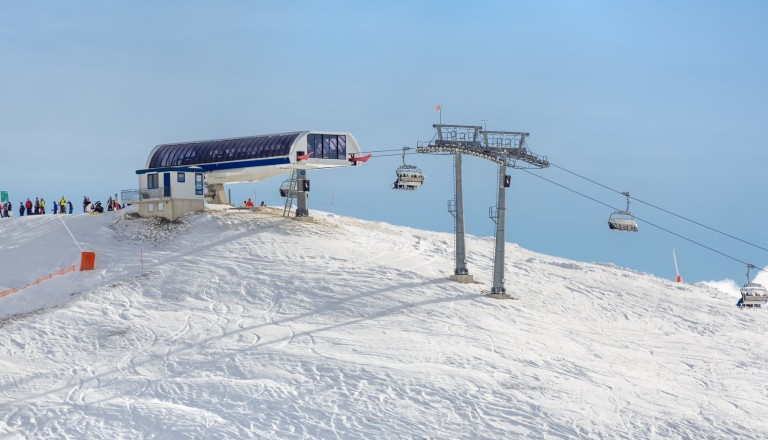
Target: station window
<point>199,184</point>
<point>152,182</point>
<point>181,177</point>
<point>327,146</point>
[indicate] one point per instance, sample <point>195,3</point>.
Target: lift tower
<point>457,139</point>
<point>508,150</point>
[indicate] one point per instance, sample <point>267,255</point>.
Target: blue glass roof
<point>224,150</point>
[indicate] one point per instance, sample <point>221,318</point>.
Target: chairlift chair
<point>409,177</point>
<point>286,191</point>
<point>752,294</point>
<point>623,220</point>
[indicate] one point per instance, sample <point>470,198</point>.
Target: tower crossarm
<point>510,156</point>
<point>501,147</point>
<point>524,155</point>
<point>478,151</point>
<point>513,144</point>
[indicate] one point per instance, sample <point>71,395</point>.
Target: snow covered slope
<point>250,325</point>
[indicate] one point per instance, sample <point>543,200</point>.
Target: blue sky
<point>666,100</point>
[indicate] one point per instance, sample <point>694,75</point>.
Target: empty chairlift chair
<point>409,177</point>
<point>288,189</point>
<point>623,220</point>
<point>752,294</point>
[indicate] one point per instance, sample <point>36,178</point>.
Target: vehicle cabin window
<point>180,177</point>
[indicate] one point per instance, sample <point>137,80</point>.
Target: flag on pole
<point>438,107</point>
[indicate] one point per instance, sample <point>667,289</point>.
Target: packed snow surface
<point>242,324</point>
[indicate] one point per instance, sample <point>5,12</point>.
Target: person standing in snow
<point>69,204</point>
<point>42,206</point>
<point>55,208</point>
<point>21,209</point>
<point>85,203</point>
<point>63,205</point>
<point>28,206</point>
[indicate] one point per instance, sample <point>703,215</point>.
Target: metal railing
<point>135,195</point>
<point>129,195</point>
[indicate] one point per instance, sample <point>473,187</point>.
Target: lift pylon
<point>507,149</point>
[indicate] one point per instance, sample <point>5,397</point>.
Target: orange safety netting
<point>39,280</point>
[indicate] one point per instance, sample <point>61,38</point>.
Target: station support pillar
<point>219,195</point>
<point>302,190</point>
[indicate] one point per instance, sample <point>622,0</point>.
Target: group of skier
<point>63,206</point>
<point>36,208</point>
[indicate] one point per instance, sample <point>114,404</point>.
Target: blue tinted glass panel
<point>276,146</point>
<point>311,144</point>
<point>180,154</point>
<point>282,146</point>
<point>334,149</point>
<point>230,150</point>
<point>210,151</point>
<point>326,146</point>
<point>189,155</point>
<point>162,155</point>
<point>271,147</point>
<point>242,147</point>
<point>285,146</point>
<point>242,152</point>
<point>193,153</point>
<point>170,156</point>
<point>342,147</point>
<point>175,157</point>
<point>261,147</point>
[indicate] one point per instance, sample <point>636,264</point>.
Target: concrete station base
<point>463,278</point>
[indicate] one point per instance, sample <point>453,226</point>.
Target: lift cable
<point>400,152</point>
<point>389,155</point>
<point>660,209</point>
<point>387,151</point>
<point>645,221</point>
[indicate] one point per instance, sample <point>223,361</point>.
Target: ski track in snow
<point>250,325</point>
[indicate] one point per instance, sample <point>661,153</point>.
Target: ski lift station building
<point>181,177</point>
